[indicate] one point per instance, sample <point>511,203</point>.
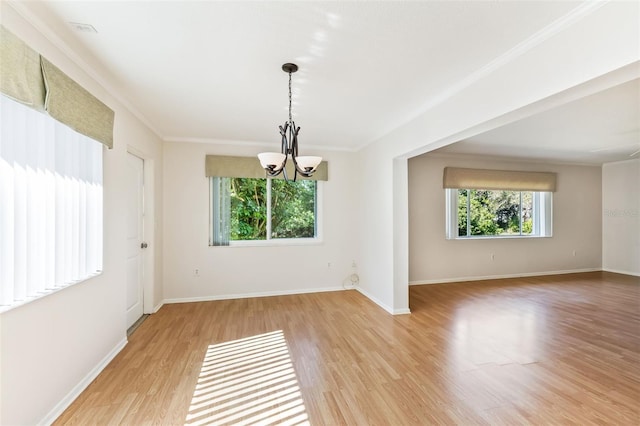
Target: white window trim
<point>280,242</point>
<point>47,292</point>
<point>542,201</point>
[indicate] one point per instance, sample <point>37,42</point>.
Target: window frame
<point>542,216</point>
<point>274,242</point>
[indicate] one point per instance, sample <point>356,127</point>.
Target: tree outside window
<point>486,212</point>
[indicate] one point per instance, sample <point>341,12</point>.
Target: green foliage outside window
<point>248,209</point>
<point>494,212</point>
<point>292,209</point>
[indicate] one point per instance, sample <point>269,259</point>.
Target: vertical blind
<point>220,203</point>
<point>51,198</point>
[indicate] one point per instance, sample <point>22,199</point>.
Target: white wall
<point>576,226</point>
<point>243,271</point>
<point>53,346</point>
<point>621,217</point>
<point>376,227</point>
<point>576,58</point>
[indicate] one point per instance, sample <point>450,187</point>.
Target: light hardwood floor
<point>547,350</point>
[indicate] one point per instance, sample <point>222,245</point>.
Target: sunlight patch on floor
<point>249,381</point>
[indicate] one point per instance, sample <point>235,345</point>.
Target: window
<point>51,205</point>
<point>497,213</point>
<point>252,209</point>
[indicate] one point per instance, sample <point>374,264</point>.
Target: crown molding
<point>43,28</point>
<point>267,145</point>
<point>518,50</point>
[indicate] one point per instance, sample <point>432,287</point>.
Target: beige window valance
<point>509,180</point>
<point>249,167</point>
<point>31,79</point>
<point>21,76</point>
<point>71,104</point>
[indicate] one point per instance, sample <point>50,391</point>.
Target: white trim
<point>158,306</point>
<point>542,216</point>
<point>618,271</point>
<point>148,227</point>
<point>285,293</point>
<point>82,385</point>
<point>374,300</point>
<point>498,277</point>
<point>515,52</point>
<point>216,141</point>
<point>277,242</point>
<point>249,295</point>
<point>274,242</point>
<point>48,292</point>
<point>630,160</point>
<point>499,237</point>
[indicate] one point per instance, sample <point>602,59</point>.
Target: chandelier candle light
<point>274,162</point>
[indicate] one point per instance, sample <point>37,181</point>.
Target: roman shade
<point>31,79</point>
<point>508,180</point>
<point>71,104</point>
<point>20,72</point>
<point>249,167</point>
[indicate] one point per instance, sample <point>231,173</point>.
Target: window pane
<point>293,206</point>
<point>498,213</point>
<point>483,213</point>
<point>248,209</point>
<point>507,211</point>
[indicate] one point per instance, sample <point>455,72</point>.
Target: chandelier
<point>274,162</point>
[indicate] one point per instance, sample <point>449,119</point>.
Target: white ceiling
<point>596,129</point>
<point>206,71</point>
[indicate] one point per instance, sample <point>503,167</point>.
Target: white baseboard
<point>77,390</point>
<point>285,293</point>
<point>157,308</point>
<point>498,277</point>
<point>618,271</point>
<point>248,295</point>
<point>374,300</point>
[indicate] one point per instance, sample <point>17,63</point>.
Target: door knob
<point>144,245</point>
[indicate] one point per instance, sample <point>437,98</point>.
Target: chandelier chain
<point>290,119</point>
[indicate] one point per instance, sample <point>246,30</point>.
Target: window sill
<point>499,237</point>
<point>275,243</point>
<point>17,304</point>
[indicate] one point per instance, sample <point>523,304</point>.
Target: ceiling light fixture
<point>274,162</point>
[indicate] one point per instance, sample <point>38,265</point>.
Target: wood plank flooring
<point>547,350</point>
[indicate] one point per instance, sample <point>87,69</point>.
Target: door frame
<point>148,231</point>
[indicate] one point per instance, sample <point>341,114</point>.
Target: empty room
<point>319,212</point>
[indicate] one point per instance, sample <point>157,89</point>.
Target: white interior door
<point>135,241</point>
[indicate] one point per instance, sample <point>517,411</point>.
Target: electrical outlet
<point>328,265</point>
<point>196,272</point>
